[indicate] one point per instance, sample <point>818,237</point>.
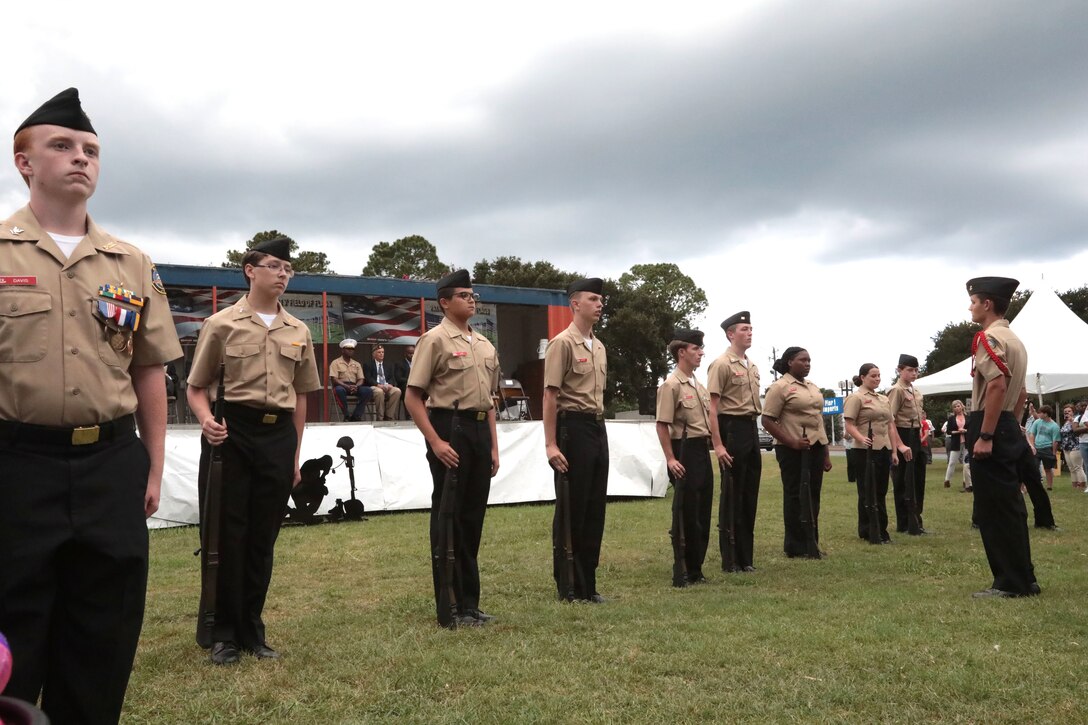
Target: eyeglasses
<point>277,268</point>
<point>466,296</point>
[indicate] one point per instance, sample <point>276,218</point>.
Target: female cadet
<point>683,407</point>
<point>863,408</point>
<point>793,414</point>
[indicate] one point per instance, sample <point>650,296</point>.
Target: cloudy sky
<point>838,168</point>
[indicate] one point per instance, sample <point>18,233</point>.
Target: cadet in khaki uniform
<point>863,408</point>
<point>575,369</point>
<point>733,382</point>
<point>995,440</point>
<point>683,404</point>
<point>85,328</point>
<point>270,366</point>
<point>455,365</point>
<point>346,375</point>
<point>793,414</point>
<point>906,403</point>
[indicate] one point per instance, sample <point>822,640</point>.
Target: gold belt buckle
<point>269,418</point>
<point>85,435</point>
<point>481,415</point>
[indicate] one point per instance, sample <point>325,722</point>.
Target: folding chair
<point>512,395</point>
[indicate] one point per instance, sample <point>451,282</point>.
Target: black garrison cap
<point>742,316</point>
<point>1000,287</point>
<point>62,109</point>
<point>459,278</point>
<point>589,284</point>
<point>908,361</point>
<point>692,337</point>
<point>280,248</point>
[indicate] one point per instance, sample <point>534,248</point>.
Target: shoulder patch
<point>156,281</point>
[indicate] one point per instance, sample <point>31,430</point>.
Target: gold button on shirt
<point>450,368</point>
<point>797,404</point>
<point>1011,352</point>
<point>57,364</point>
<point>736,384</point>
<point>681,400</point>
<point>864,407</point>
<point>346,372</point>
<point>906,405</point>
<point>267,365</point>
<point>577,370</point>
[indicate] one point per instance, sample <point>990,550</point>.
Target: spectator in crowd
<point>1080,428</point>
<point>927,438</point>
<point>403,369</point>
<point>954,430</point>
<point>383,383</point>
<point>1071,448</point>
<point>1044,436</point>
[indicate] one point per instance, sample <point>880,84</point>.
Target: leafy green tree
<point>407,258</point>
<point>307,262</point>
<point>513,272</point>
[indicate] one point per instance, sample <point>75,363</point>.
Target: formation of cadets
<point>85,328</point>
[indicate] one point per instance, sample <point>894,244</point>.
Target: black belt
<point>83,435</point>
<point>477,415</point>
<point>729,416</point>
<point>254,415</point>
<point>575,415</point>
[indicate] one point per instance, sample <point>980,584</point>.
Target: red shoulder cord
<point>981,336</point>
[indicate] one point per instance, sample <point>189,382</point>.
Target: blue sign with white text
<point>832,406</point>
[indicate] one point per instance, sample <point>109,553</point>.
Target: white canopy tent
<point>1057,344</point>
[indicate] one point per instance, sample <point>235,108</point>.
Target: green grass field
<point>871,634</point>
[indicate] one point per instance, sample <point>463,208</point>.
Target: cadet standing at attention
<point>85,328</point>
<point>906,403</point>
<point>733,382</point>
<point>995,440</point>
<point>575,368</point>
<point>458,368</point>
<point>864,408</point>
<point>270,366</point>
<point>683,406</point>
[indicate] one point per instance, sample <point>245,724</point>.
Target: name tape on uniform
<point>21,280</point>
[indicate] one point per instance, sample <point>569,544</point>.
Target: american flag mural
<point>190,307</point>
<point>485,321</point>
<point>386,319</point>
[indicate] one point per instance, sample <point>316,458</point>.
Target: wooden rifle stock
<point>679,541</point>
<point>808,518</point>
<point>209,529</point>
<point>566,569</point>
<point>870,492</point>
<point>445,554</point>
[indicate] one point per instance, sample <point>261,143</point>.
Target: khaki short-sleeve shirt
<point>577,367</point>
<point>906,405</point>
<point>736,384</point>
<point>267,365</point>
<point>797,406</point>
<point>61,361</point>
<point>346,371</point>
<point>865,407</point>
<point>449,367</point>
<point>1008,348</point>
<point>681,400</point>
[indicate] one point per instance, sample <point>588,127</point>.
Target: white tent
<point>1056,341</point>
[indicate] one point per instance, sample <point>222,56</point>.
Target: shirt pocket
<point>24,325</point>
<point>459,362</point>
<point>582,368</point>
<point>243,362</point>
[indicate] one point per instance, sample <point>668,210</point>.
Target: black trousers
<point>258,468</point>
<point>999,509</point>
<point>910,437</point>
<point>882,464</point>
<point>789,461</point>
<point>73,572</point>
<point>586,452</point>
<point>1028,465</point>
<point>741,439</point>
<point>698,500</point>
<point>473,446</point>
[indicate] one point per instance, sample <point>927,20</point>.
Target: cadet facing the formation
<point>85,328</point>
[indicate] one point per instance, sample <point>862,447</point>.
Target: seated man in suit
<point>403,369</point>
<point>384,385</point>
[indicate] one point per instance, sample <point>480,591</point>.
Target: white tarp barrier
<point>391,472</point>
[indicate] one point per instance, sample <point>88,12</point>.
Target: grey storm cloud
<point>938,121</point>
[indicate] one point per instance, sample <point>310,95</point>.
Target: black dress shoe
<point>696,579</point>
<point>466,620</point>
<point>749,569</point>
<point>596,599</point>
<point>225,653</point>
<point>481,616</point>
<point>264,652</point>
<point>992,593</point>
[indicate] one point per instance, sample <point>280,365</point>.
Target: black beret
<point>1000,287</point>
<point>62,109</point>
<point>742,316</point>
<point>589,284</point>
<point>692,337</point>
<point>459,278</point>
<point>909,361</point>
<point>280,248</point>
